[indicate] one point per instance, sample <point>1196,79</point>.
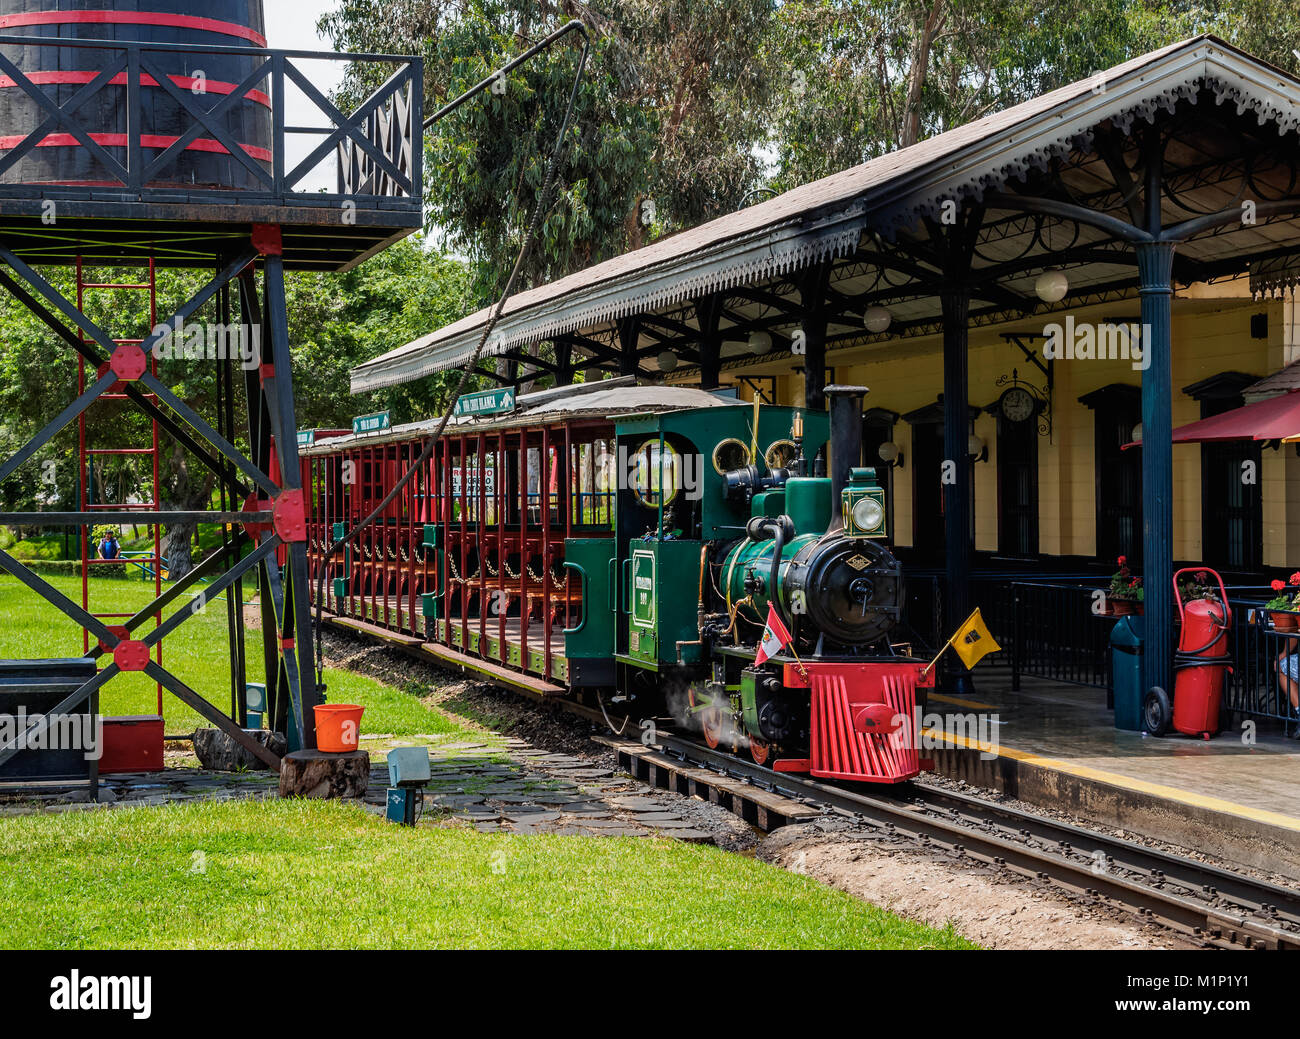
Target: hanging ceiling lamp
<point>760,343</point>
<point>1052,286</point>
<point>877,319</point>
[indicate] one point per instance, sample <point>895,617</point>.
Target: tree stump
<point>315,774</point>
<point>218,752</point>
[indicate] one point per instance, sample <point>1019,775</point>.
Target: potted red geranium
<point>1281,608</point>
<point>1125,595</point>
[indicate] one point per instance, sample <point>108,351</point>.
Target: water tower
<point>140,135</point>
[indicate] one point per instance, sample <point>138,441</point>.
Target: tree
<point>867,77</point>
<point>664,129</point>
<point>337,321</point>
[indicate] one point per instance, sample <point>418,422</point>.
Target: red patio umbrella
<point>1277,418</point>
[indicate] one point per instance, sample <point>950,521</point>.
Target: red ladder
<point>85,455</point>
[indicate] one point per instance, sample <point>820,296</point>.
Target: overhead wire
<point>525,250</point>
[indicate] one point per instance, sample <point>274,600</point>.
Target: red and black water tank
<point>62,71</point>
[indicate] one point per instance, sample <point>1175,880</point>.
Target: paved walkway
<point>497,786</point>
<point>1068,728</point>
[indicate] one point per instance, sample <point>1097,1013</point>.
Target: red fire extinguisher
<point>1200,666</point>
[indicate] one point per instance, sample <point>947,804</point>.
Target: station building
<point>1056,441</point>
<point>970,282</point>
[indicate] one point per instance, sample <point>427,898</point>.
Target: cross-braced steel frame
<point>266,478</point>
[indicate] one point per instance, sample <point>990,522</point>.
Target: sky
<point>291,25</point>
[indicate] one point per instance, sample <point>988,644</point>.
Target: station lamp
<point>877,319</point>
<point>1052,286</point>
<point>408,772</point>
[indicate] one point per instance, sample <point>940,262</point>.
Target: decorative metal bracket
<point>1042,394</point>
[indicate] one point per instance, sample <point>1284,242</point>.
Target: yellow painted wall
<point>1209,337</point>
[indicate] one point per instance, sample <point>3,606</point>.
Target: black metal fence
<point>1055,630</point>
<point>1256,688</point>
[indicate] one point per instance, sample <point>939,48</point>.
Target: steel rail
<point>1244,892</point>
<point>1072,861</point>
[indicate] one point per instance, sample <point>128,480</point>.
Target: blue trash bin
<point>1126,672</point>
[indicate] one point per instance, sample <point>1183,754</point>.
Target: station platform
<point>1055,745</point>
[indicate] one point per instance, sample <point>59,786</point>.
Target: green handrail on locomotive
<point>556,544</point>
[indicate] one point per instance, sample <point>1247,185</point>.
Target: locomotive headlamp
<point>868,514</point>
<point>864,505</point>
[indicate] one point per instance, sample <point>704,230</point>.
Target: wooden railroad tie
<point>762,808</point>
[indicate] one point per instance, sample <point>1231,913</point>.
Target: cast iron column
<point>812,310</point>
<point>708,312</point>
<point>1155,269</point>
<point>629,334</point>
<point>815,363</point>
<point>957,476</point>
<point>564,361</point>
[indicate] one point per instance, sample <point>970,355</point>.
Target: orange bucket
<point>338,727</point>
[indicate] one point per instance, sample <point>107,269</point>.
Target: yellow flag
<point>973,641</point>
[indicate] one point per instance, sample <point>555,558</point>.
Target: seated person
<point>1288,678</point>
<point>109,548</point>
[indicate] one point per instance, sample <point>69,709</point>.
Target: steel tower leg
<point>274,514</point>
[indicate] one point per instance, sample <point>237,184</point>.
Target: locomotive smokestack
<point>846,441</point>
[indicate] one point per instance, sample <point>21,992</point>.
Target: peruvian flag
<point>775,637</point>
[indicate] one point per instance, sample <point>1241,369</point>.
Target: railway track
<point>1212,905</point>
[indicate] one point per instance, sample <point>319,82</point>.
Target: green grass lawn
<point>328,875</point>
<point>313,874</point>
<point>197,653</point>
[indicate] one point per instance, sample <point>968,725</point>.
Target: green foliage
<point>668,114</point>
<point>337,321</point>
<point>691,104</point>
<point>46,548</point>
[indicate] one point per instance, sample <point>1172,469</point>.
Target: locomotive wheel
<point>711,725</point>
<point>759,750</point>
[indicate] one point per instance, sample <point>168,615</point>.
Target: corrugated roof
<point>547,407</point>
<point>828,216</point>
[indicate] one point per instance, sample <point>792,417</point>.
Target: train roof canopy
<point>611,399</point>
